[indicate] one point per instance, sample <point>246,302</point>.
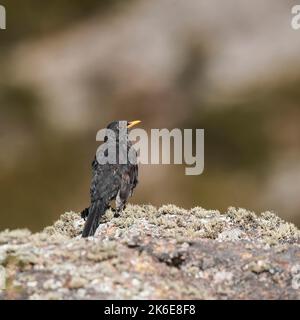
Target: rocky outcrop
<point>150,253</point>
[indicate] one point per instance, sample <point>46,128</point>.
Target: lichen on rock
<point>69,224</point>
<point>156,253</point>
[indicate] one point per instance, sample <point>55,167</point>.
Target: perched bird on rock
<point>111,181</point>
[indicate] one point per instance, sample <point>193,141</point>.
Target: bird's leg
<point>120,206</point>
<point>118,211</point>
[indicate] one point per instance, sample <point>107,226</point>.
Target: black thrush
<point>111,181</point>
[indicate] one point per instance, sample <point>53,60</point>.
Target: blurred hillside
<point>68,70</point>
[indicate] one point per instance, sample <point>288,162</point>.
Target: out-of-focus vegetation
<point>33,18</point>
<point>251,135</point>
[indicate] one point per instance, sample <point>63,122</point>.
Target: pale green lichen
<point>274,230</point>
<point>14,235</point>
<point>172,222</point>
<point>172,209</point>
<point>20,259</point>
<point>102,252</point>
<point>200,212</point>
<point>259,266</point>
<point>242,217</point>
<point>70,224</point>
<point>269,228</point>
<point>213,228</point>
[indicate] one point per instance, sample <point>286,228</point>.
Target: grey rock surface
<point>150,253</point>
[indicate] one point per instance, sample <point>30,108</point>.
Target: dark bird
<point>111,181</point>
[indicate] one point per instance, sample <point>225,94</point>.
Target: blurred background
<point>231,67</point>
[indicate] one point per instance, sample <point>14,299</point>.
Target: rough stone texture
<point>150,253</point>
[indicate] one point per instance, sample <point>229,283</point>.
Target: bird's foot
<point>84,214</point>
<point>119,211</point>
<point>117,214</point>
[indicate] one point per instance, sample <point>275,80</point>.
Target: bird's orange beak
<point>133,123</point>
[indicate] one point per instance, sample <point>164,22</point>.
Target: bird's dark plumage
<point>109,182</point>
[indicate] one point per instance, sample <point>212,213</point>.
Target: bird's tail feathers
<point>96,210</point>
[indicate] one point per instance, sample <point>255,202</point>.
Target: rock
<point>77,283</point>
<point>150,253</point>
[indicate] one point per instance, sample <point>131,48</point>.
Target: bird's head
<point>115,125</point>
